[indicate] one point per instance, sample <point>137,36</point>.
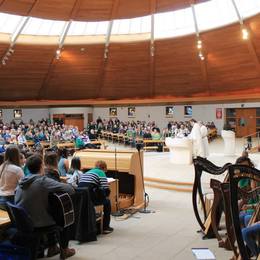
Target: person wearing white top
<point>196,138</point>
<point>204,135</point>
<point>10,174</point>
<point>21,138</point>
<point>74,172</point>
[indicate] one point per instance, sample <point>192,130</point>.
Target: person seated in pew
<point>63,164</point>
<point>75,171</point>
<point>33,195</point>
<point>156,134</point>
<point>51,166</point>
<point>96,180</point>
<point>10,174</point>
<point>147,134</point>
<point>92,136</point>
<point>82,141</point>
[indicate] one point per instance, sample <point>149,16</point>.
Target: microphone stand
<point>146,196</point>
<point>118,213</point>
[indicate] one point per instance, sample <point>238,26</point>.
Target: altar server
<point>205,142</point>
<point>196,138</point>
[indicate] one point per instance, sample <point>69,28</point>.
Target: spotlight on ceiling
<point>245,34</point>
<point>199,44</point>
<point>58,54</point>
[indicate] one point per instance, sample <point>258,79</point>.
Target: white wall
<point>27,113</point>
<point>39,113</point>
<point>72,110</point>
<point>205,113</point>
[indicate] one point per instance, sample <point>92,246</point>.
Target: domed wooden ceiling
<point>230,71</point>
<point>90,10</point>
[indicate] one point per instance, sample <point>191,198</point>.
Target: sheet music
<point>110,179</point>
<point>203,254</point>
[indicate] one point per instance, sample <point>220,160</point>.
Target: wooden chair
<point>100,216</point>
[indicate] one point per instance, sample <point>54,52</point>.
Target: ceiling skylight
<point>210,14</point>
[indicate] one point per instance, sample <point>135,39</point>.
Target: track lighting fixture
<point>58,54</point>
<point>245,34</point>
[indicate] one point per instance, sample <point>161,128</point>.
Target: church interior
<point>129,129</point>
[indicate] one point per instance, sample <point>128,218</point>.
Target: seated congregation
<point>27,188</point>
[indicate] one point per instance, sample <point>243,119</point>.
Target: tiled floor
<point>170,232</point>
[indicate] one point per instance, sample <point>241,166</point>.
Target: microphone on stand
<point>146,196</point>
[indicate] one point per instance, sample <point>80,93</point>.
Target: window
<point>210,14</point>
<point>132,26</point>
<point>172,24</point>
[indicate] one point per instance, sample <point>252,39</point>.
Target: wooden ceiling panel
<point>58,9</point>
<point>230,62</point>
<point>231,68</point>
<point>127,71</point>
<point>177,68</point>
<point>254,25</point>
<point>20,7</point>
<point>25,71</point>
<point>137,7</point>
<point>166,5</point>
<point>95,10</point>
<point>76,74</point>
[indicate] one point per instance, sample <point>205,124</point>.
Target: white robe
<point>196,138</point>
<point>205,142</point>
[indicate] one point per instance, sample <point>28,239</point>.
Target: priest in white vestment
<point>195,136</point>
<point>205,142</point>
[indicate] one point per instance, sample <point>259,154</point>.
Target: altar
<point>180,150</point>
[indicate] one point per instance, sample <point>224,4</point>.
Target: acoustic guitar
<point>61,209</point>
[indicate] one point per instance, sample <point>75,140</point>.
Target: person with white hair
<point>204,136</point>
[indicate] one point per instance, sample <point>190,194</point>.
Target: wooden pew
<point>30,143</point>
<point>66,145</point>
<point>45,144</point>
<point>123,165</point>
<point>152,144</point>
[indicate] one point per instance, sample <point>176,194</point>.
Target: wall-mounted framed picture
<point>113,112</point>
<point>218,113</point>
<point>131,111</point>
<point>17,113</point>
<point>1,113</point>
<point>169,111</point>
<point>188,111</point>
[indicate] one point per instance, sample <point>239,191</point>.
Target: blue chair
<point>28,236</point>
<point>8,251</point>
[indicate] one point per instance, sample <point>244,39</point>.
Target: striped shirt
<point>95,176</point>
